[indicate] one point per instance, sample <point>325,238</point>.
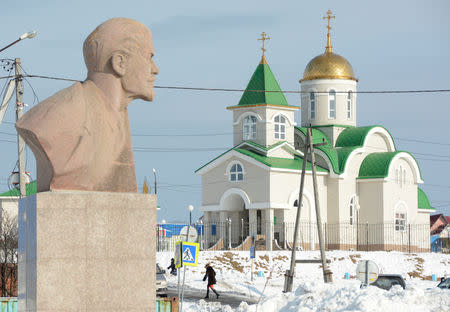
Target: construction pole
<point>289,276</point>
<point>19,113</point>
<point>327,274</point>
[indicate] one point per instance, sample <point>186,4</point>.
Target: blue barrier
<point>8,304</point>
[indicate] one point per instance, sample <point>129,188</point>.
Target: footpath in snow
<point>311,293</point>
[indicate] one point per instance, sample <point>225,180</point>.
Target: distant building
<point>9,200</point>
<point>440,233</point>
<point>368,189</point>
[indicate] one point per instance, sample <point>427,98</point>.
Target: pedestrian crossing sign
<point>189,253</point>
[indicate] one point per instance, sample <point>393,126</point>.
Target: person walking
<point>211,275</point>
<point>172,268</point>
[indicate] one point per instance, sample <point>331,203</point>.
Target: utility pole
<point>289,276</point>
<point>19,113</point>
<point>327,275</point>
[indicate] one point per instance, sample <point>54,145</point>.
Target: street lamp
<point>30,34</point>
<point>190,208</point>
<point>154,174</point>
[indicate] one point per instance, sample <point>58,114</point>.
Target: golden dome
<point>328,66</point>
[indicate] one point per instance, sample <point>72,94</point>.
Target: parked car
<point>445,283</point>
<point>386,281</point>
<point>161,283</point>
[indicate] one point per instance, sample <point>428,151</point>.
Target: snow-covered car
<point>161,283</point>
<point>386,281</point>
<point>445,283</point>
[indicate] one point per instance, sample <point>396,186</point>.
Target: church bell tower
<point>329,91</point>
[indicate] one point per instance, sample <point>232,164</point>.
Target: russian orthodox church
<point>368,190</point>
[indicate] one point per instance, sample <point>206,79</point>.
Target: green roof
<point>376,165</point>
<point>15,192</point>
<point>263,80</point>
<point>337,156</point>
<point>355,136</point>
<point>262,147</point>
<point>318,136</point>
<point>284,163</point>
<point>422,200</point>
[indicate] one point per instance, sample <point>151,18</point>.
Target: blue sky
<point>391,45</point>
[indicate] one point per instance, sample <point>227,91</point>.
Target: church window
<point>353,210</point>
<point>280,127</point>
<point>296,203</point>
<point>349,104</point>
<point>332,104</point>
<point>249,128</point>
<point>400,221</point>
<point>312,105</point>
<point>400,176</point>
<point>236,173</point>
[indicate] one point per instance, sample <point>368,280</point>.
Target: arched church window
<point>296,203</point>
<point>280,127</point>
<point>353,210</point>
<point>400,218</point>
<point>332,104</point>
<point>236,173</point>
<point>312,105</point>
<point>400,176</point>
<point>249,128</point>
<point>349,104</point>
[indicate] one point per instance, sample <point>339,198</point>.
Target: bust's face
<point>139,78</point>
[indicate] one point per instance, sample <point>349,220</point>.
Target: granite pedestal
<point>87,251</point>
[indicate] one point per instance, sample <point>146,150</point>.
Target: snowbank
<point>311,294</point>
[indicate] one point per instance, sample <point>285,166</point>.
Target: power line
<point>242,90</point>
<point>420,141</point>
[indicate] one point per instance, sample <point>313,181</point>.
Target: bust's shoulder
<point>58,107</point>
<point>66,95</point>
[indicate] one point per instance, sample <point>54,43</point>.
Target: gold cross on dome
<point>329,48</point>
<point>263,38</point>
<point>329,17</point>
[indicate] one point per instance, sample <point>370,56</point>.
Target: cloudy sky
<point>392,45</point>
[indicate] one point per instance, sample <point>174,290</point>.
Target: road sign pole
<point>179,248</point>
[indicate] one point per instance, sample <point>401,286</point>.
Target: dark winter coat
<point>211,275</point>
<point>172,266</point>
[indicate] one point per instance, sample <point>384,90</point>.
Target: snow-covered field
<point>310,292</point>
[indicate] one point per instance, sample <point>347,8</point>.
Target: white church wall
<point>280,153</point>
<point>371,193</point>
<point>238,118</point>
<point>10,205</point>
<point>376,143</point>
<point>400,191</point>
<point>265,124</point>
<point>283,184</point>
<point>272,112</point>
<point>321,112</point>
<point>216,181</point>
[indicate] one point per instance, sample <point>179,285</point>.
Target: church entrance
<point>237,228</point>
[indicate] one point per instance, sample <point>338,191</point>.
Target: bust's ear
<point>119,63</point>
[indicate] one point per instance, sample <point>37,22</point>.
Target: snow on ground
<point>311,294</point>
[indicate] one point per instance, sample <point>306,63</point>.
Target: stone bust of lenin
<point>81,135</point>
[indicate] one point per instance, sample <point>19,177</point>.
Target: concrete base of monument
<point>87,251</point>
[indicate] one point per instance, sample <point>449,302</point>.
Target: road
<point>232,299</point>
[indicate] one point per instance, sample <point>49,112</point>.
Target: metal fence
<point>344,236</point>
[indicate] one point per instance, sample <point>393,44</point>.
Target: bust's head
<point>123,47</point>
